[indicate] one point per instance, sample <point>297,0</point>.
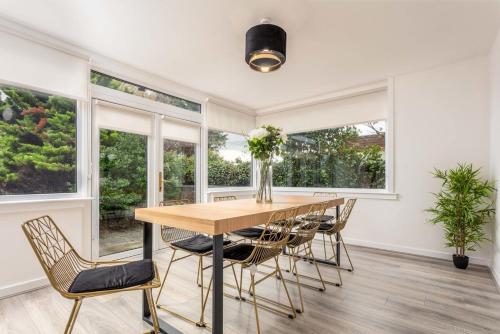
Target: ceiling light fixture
<point>265,47</point>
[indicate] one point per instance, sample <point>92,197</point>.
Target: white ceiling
<point>332,45</point>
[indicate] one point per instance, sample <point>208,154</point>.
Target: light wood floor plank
<point>388,293</point>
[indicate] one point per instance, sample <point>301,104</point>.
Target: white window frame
<point>388,191</point>
<point>82,154</point>
<point>209,191</point>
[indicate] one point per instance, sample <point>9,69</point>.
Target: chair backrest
<point>224,198</point>
<point>173,234</point>
<point>341,221</point>
<point>274,236</point>
<point>308,228</point>
<point>57,256</point>
<point>325,194</point>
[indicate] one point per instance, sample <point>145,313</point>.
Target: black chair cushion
<point>198,244</point>
<point>321,218</point>
<point>238,252</point>
<point>325,227</point>
<point>113,277</point>
<point>250,233</point>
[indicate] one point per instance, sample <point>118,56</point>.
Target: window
<point>344,157</point>
<point>179,169</point>
<point>105,80</point>
<point>38,142</point>
<point>229,161</point>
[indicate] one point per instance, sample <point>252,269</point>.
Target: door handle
<point>160,181</point>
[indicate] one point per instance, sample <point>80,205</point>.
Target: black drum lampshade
<point>265,47</point>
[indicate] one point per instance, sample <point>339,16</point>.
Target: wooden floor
<point>387,293</point>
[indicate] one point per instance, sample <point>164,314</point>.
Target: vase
<point>264,190</point>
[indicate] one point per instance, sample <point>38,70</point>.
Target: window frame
<point>82,168</point>
<point>223,189</point>
<point>388,191</point>
<point>140,85</point>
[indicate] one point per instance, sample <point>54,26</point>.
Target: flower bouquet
<point>264,143</point>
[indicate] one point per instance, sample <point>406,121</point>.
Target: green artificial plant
<point>463,206</point>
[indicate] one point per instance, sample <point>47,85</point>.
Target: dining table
<point>216,219</point>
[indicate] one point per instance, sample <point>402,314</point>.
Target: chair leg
<point>311,256</point>
<point>72,317</point>
<point>324,245</point>
<point>337,266</point>
<point>237,283</point>
<point>346,252</point>
<point>152,309</point>
<point>198,273</point>
<point>252,284</point>
<point>165,278</point>
<point>297,277</point>
<point>201,323</point>
<point>286,289</point>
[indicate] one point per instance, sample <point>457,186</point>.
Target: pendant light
<point>265,47</point>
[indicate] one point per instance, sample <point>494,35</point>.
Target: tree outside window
<point>38,142</point>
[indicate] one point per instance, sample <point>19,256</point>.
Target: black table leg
<point>148,254</point>
<point>218,285</point>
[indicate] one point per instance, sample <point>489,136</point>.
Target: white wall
<point>495,145</point>
<point>441,118</point>
<point>20,268</point>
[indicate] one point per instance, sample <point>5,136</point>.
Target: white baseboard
<point>22,287</point>
<point>414,251</point>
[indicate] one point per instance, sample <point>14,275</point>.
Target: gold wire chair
<point>224,198</point>
<point>195,244</point>
<point>64,266</point>
<point>336,228</point>
<point>303,237</point>
<point>267,247</point>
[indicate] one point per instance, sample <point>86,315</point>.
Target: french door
<point>140,158</point>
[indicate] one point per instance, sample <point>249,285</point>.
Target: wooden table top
<point>226,216</point>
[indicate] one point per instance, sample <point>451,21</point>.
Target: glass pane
<point>37,142</point>
<point>179,170</point>
<point>122,188</point>
<point>345,157</point>
<point>229,161</point>
<point>147,93</point>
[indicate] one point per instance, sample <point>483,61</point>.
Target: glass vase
<point>264,189</point>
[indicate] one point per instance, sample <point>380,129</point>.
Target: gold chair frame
<point>303,237</point>
<point>269,246</point>
<point>61,263</point>
<point>170,235</point>
<point>337,227</point>
<point>224,198</point>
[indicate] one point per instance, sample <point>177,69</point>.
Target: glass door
<point>179,171</point>
<point>123,162</point>
<point>123,187</point>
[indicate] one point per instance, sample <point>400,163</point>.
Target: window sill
<point>24,205</point>
<point>353,193</point>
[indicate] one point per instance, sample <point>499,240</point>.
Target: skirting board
<point>414,251</point>
<point>22,287</point>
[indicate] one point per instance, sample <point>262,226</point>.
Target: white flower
<point>284,137</point>
<point>258,133</point>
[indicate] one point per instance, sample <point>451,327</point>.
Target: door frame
<point>154,156</point>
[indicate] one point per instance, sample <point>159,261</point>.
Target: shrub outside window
<point>38,142</point>
<point>345,157</point>
<point>229,161</point>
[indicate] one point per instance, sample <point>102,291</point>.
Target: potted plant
<point>264,143</point>
<point>463,206</point>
